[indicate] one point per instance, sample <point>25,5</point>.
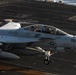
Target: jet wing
<point>11,25</point>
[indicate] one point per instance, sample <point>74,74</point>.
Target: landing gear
<point>47,61</point>
<point>48,54</point>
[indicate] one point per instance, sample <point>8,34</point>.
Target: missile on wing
<point>8,55</point>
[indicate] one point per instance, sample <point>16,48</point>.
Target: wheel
<point>46,61</point>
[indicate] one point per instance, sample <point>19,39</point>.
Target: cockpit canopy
<point>45,29</point>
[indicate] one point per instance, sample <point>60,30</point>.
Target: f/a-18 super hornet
<point>12,36</point>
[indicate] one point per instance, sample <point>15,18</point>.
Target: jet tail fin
<point>11,25</point>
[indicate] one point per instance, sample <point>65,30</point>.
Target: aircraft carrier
<point>29,12</point>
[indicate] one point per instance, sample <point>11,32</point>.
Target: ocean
<point>70,2</point>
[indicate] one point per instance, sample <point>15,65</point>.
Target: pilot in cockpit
<point>43,29</point>
<point>48,30</point>
<point>33,28</point>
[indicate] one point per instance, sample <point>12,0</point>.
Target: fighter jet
<point>29,40</point>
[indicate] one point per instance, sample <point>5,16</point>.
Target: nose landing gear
<point>47,59</point>
<point>48,54</point>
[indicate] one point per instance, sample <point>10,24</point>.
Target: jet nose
<point>7,55</point>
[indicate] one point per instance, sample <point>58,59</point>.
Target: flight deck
<point>32,12</point>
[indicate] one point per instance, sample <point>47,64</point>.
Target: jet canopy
<point>45,29</point>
